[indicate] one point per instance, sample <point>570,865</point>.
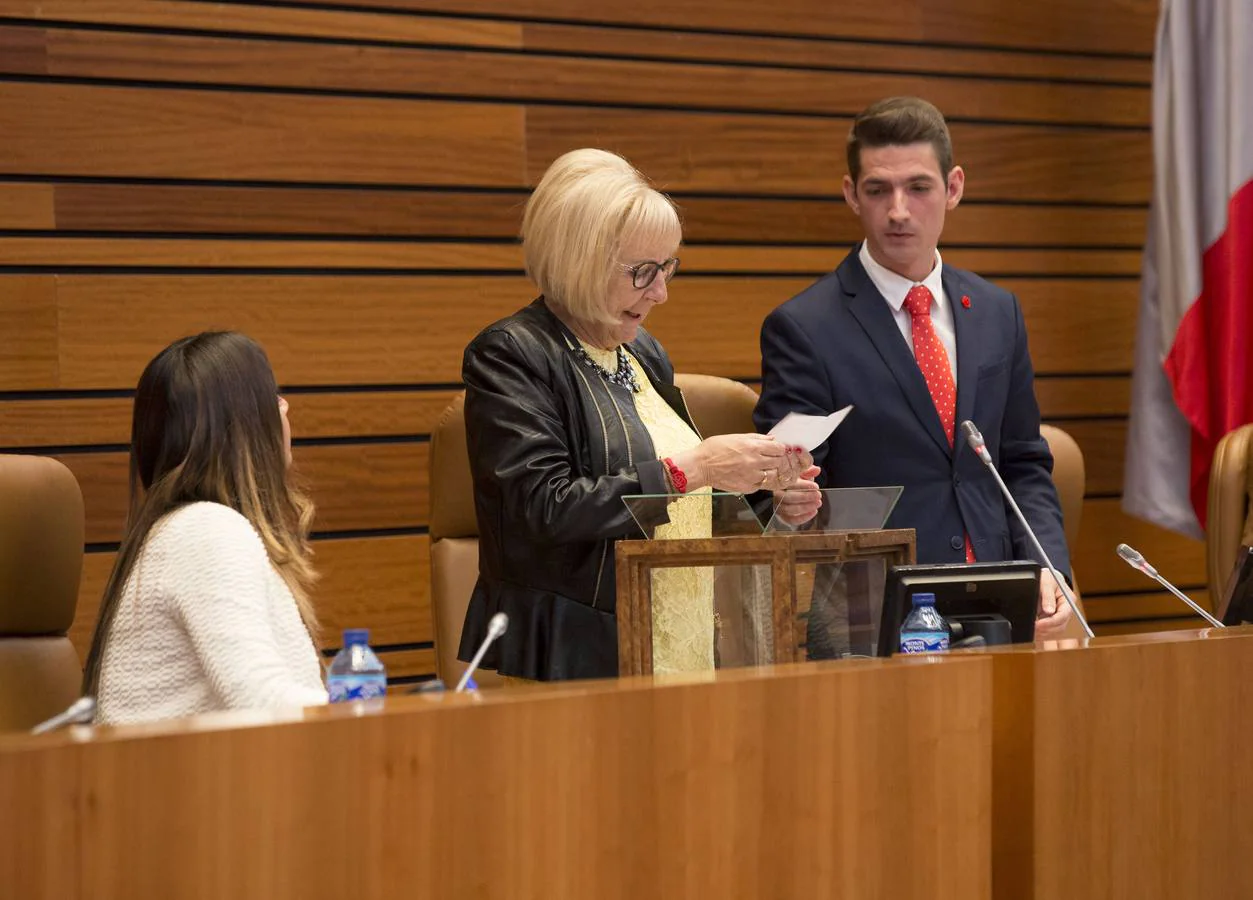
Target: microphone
<point>496,626</point>
<point>975,439</point>
<point>80,712</point>
<point>1136,560</point>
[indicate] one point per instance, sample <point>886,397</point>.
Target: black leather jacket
<point>554,448</point>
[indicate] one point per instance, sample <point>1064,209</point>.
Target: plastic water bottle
<point>356,672</point>
<point>924,630</point>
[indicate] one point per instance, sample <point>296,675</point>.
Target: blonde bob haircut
<point>587,205</point>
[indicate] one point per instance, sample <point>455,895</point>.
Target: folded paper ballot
<point>798,430</point>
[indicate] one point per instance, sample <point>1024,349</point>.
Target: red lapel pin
<point>966,301</point>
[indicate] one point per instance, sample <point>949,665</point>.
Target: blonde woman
<point>208,605</point>
<point>570,407</point>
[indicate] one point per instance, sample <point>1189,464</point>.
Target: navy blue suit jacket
<point>837,343</point>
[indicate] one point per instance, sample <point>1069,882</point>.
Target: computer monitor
<point>982,597</point>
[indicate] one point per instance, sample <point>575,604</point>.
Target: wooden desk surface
<point>1121,769</point>
<point>859,779</point>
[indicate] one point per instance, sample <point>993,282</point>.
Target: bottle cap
<point>354,636</point>
<point>924,599</point>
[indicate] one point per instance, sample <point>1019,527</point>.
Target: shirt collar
<point>895,287</point>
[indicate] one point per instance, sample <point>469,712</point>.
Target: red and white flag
<point>1193,378</point>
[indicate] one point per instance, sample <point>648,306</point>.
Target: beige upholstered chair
<point>1230,525</point>
<point>717,405</point>
<point>41,559</point>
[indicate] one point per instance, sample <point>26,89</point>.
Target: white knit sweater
<point>205,623</point>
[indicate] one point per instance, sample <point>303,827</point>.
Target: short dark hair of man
<point>898,121</point>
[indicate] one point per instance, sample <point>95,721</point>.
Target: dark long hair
<point>206,426</point>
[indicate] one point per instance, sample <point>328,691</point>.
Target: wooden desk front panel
<point>815,782</point>
<point>1141,785</point>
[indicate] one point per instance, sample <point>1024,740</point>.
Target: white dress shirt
<point>894,289</point>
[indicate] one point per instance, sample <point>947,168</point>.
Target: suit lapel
<point>965,327</point>
<point>872,312</point>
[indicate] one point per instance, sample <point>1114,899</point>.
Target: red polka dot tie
<point>934,363</point>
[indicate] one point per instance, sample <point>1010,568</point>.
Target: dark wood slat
<point>531,77</point>
<point>238,210</point>
<point>381,583</point>
<point>830,53</point>
<point>235,17</point>
<point>23,50</point>
<point>1149,605</point>
<point>214,134</point>
<point>1061,397</point>
<point>1069,25</point>
<point>185,253</point>
<point>355,487</point>
<point>85,421</point>
<point>63,422</point>
<point>796,155</point>
<point>408,663</point>
<point>235,210</point>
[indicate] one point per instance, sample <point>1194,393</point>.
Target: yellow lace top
<point>683,599</point>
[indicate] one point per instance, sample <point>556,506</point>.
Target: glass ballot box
<point>711,587</point>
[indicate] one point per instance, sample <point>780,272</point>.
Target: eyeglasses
<point>645,273</point>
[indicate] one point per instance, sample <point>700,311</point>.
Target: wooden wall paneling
<point>106,420</point>
<point>831,53</point>
<point>220,209</point>
<point>142,132</point>
<point>1064,396</point>
<point>28,206</point>
<point>1117,608</point>
<point>1102,442</point>
<point>798,155</point>
<point>409,330</point>
<point>316,330</point>
<point>1067,25</point>
<point>377,582</point>
<point>23,50</point>
<point>284,210</point>
<point>357,487</point>
<point>341,25</point>
<point>259,253</point>
<point>1100,570</point>
<point>531,77</point>
<point>28,332</point>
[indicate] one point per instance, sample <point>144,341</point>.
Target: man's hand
<point>1054,611</point>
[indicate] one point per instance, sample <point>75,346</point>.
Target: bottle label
<point>924,641</point>
<point>343,688</point>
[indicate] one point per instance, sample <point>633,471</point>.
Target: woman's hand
<point>801,501</point>
<point>739,463</point>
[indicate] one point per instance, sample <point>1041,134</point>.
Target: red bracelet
<point>677,478</point>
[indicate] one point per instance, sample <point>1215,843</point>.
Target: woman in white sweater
<point>208,605</point>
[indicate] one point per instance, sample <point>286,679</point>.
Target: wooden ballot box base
<point>784,555</point>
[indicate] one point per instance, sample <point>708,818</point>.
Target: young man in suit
<point>917,347</point>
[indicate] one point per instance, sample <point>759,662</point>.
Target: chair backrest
<point>1069,477</point>
<point>717,405</point>
<point>1229,522</point>
<point>41,561</point>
